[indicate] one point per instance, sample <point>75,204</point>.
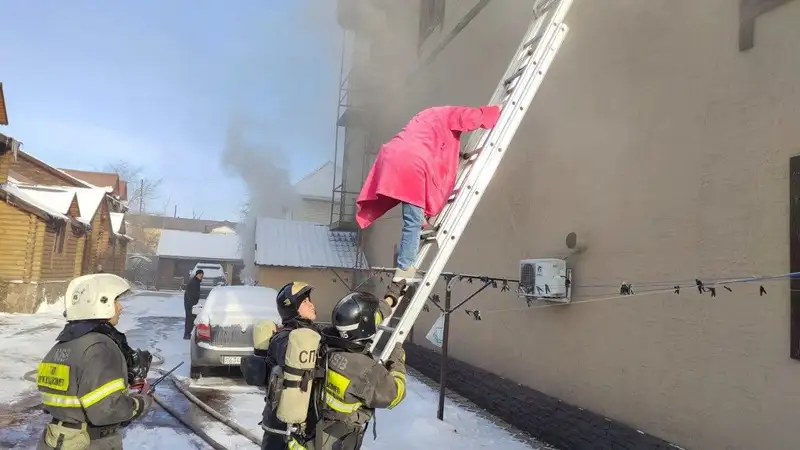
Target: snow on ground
<point>153,438</point>
<point>154,320</point>
<point>24,340</point>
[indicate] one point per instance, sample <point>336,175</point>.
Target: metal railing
<point>343,209</point>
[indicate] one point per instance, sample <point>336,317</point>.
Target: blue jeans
<point>413,218</point>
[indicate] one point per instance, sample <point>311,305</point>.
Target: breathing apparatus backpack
<point>256,367</point>
<point>291,384</point>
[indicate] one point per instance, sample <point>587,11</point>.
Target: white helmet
<point>92,296</point>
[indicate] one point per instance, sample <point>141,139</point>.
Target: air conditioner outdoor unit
<point>545,279</point>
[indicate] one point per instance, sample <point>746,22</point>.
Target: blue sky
<point>156,83</point>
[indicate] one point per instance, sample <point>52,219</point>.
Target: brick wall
<point>545,418</point>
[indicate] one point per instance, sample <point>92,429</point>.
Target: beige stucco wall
<point>328,288</point>
<point>667,151</point>
<point>312,210</point>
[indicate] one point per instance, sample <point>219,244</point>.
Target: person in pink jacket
<point>417,168</point>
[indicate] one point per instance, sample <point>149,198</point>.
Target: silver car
<point>223,329</point>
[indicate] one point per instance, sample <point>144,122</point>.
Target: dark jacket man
<point>190,298</point>
<point>84,378</point>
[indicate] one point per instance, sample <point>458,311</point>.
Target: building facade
<point>179,251</point>
<point>53,227</point>
<point>313,196</point>
<point>662,137</point>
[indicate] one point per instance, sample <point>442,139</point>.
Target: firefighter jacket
<point>84,377</point>
<point>356,384</point>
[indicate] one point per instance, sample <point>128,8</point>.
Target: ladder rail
<point>480,139</point>
<point>522,55</point>
<point>442,256</point>
<point>517,100</point>
<point>449,243</point>
<point>491,146</point>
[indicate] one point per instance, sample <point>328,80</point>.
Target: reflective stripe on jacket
<point>356,382</point>
<point>85,380</point>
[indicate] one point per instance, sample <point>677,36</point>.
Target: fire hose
<point>157,361</point>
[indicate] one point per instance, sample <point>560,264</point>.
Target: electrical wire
<point>710,285</point>
<point>705,287</point>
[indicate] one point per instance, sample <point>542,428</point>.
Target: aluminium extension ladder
<point>483,153</point>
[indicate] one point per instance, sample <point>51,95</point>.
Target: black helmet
<point>357,316</point>
<point>290,297</point>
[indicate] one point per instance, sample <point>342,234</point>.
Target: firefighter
<point>297,311</point>
<point>84,379</point>
<point>346,383</point>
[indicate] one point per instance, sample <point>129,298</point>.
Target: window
<point>794,257</point>
<point>60,237</point>
<point>431,15</point>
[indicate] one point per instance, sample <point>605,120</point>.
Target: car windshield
<point>241,304</point>
<point>210,271</point>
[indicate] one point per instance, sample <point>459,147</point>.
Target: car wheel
<point>195,372</point>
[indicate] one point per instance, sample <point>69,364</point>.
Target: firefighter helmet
<point>289,298</point>
<point>92,296</point>
<point>357,316</point>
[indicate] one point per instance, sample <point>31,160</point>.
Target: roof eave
<point>39,212</point>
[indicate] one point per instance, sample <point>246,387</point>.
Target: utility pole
<point>141,196</point>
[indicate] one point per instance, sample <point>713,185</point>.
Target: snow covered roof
<point>57,199</point>
<point>224,229</point>
<point>50,203</point>
<point>319,183</point>
<point>193,245</point>
<point>293,243</point>
<point>88,198</point>
<point>117,219</point>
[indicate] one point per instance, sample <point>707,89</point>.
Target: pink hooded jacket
<point>420,164</point>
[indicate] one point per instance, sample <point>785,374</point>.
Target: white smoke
<point>249,154</point>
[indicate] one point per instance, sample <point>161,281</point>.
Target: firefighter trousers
<point>110,442</point>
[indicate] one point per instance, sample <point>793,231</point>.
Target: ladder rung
<point>542,8</point>
<point>533,41</point>
<point>429,234</point>
<point>470,156</point>
<point>516,75</point>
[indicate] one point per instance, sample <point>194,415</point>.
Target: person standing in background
<point>190,298</point>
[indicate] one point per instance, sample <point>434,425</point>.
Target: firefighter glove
<point>394,292</point>
<point>143,403</point>
<point>398,355</point>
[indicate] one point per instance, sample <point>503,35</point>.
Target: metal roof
<point>293,243</point>
<point>178,223</point>
<point>192,245</point>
